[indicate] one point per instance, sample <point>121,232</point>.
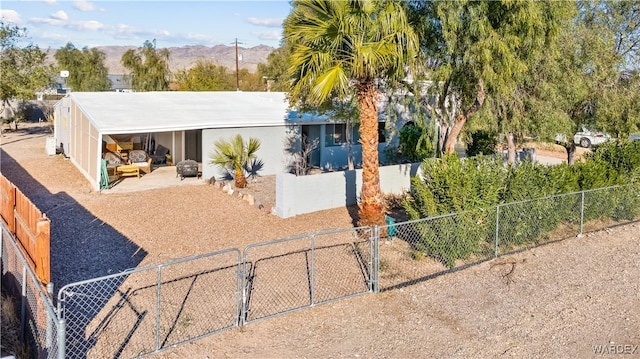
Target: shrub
<point>472,187</point>
<point>482,142</point>
<point>416,143</point>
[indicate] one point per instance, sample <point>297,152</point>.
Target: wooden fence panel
<point>7,202</point>
<point>32,229</point>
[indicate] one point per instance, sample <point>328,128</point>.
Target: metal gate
<point>293,273</point>
<point>148,310</point>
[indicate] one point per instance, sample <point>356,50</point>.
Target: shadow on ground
<point>82,247</point>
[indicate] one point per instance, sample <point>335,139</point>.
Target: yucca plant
<point>234,155</point>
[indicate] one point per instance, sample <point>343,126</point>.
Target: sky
<point>54,23</point>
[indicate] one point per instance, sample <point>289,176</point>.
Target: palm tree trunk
<point>240,179</point>
<point>371,208</point>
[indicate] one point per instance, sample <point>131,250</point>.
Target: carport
<point>177,120</point>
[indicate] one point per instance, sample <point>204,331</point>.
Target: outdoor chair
<point>113,161</point>
<point>160,155</point>
<point>141,159</point>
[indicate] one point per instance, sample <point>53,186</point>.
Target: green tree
<point>148,66</point>
<point>476,49</point>
<point>22,67</point>
<point>234,155</point>
<point>275,71</point>
<point>87,69</point>
<point>204,76</point>
<point>343,49</point>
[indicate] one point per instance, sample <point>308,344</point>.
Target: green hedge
<point>530,195</point>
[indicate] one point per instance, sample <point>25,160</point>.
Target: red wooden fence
<point>29,225</point>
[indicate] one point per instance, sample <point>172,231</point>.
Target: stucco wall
<point>305,194</point>
<point>272,148</point>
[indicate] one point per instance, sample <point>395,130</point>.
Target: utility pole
<point>237,67</point>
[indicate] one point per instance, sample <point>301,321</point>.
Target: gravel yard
<point>561,300</point>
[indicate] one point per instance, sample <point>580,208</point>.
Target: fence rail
<point>150,309</point>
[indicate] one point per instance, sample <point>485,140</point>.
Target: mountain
<point>186,56</point>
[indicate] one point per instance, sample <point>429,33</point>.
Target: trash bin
<point>529,154</point>
<point>391,223</point>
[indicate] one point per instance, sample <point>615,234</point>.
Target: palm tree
<point>342,49</point>
<point>234,156</point>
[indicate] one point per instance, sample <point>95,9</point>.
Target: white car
<point>587,138</point>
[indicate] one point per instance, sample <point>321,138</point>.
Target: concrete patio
<point>160,177</point>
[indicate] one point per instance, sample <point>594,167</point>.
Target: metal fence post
<point>62,328</point>
<point>23,304</point>
<point>49,329</point>
<point>243,273</point>
<point>582,213</point>
<point>497,229</point>
<point>312,274</point>
<point>375,285</point>
<point>158,295</point>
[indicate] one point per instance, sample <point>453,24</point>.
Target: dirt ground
<point>567,299</point>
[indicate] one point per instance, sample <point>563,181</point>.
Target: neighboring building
<point>120,83</point>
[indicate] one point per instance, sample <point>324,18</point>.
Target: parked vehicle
<point>587,138</point>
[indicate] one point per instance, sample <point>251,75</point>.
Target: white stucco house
<point>86,124</point>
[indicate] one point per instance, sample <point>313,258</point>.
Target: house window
<point>336,134</point>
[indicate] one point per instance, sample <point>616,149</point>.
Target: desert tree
<point>476,49</point>
<point>87,69</point>
<point>22,68</point>
<point>148,67</point>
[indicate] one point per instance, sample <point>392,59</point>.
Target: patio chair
<point>141,159</point>
<point>113,161</point>
<point>160,155</point>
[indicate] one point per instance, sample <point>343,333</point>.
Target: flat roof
<point>140,112</point>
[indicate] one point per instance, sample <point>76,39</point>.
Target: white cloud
<point>269,22</point>
<point>88,25</point>
<point>50,2</point>
<point>48,21</point>
<point>83,5</point>
<point>10,16</point>
<point>60,15</point>
<point>268,35</point>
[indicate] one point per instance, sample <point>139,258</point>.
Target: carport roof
<point>140,112</point>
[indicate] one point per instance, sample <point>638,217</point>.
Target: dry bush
<point>10,343</point>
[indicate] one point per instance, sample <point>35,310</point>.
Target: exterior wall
<point>305,194</point>
<point>166,139</point>
<point>272,148</point>
<point>85,145</point>
<point>62,126</point>
<point>336,157</point>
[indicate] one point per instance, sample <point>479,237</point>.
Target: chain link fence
<point>420,249</point>
<point>38,319</point>
<point>148,310</point>
<point>298,272</point>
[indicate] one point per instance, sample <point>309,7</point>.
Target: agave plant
<point>234,155</point>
